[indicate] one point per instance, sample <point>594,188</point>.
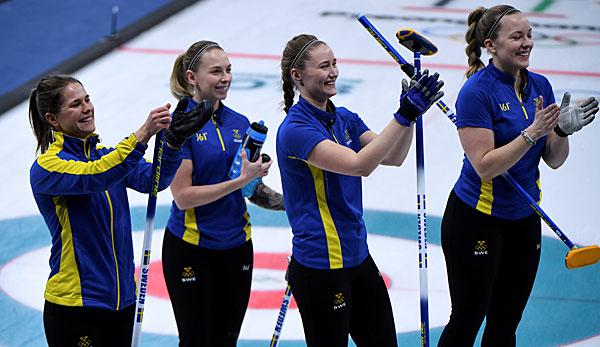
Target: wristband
<point>530,141</point>
<point>559,131</point>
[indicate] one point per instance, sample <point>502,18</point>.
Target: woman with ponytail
<point>323,151</point>
<point>507,120</point>
<point>80,189</point>
<point>207,248</point>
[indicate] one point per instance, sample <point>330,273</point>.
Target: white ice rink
<point>126,84</point>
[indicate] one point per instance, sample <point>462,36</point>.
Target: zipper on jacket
<point>335,138</point>
<point>330,127</point>
<point>521,102</point>
<point>87,149</point>
<point>218,133</point>
<point>112,238</point>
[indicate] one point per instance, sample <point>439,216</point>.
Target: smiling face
<point>512,46</point>
<point>212,77</point>
<point>76,114</point>
<point>317,80</point>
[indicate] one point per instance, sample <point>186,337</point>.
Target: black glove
<point>185,124</point>
<point>417,97</point>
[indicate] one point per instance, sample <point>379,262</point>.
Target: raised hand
<point>185,124</point>
<point>545,119</point>
<point>157,120</point>
<point>417,97</point>
<point>574,117</point>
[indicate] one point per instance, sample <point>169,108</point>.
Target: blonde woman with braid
<point>323,151</point>
<point>507,120</point>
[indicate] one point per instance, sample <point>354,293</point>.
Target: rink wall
<point>44,36</point>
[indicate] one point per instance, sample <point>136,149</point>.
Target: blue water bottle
<point>252,144</point>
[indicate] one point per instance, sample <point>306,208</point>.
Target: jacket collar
<point>76,143</point>
<point>503,76</point>
<point>510,80</point>
<point>328,117</point>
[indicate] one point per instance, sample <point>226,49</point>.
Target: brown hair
<point>483,24</point>
<point>190,60</point>
<point>46,97</point>
<point>295,55</point>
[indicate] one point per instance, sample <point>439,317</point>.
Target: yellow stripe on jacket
<point>51,162</point>
<point>333,240</point>
<point>64,288</point>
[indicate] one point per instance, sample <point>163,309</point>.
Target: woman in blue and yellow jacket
<point>80,189</point>
<point>507,121</point>
<point>323,150</point>
<point>207,248</point>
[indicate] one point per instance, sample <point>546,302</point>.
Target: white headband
<point>493,28</point>
<point>301,52</point>
<point>193,61</point>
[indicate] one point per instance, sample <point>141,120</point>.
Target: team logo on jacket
<point>339,301</point>
<point>188,275</point>
<point>85,341</point>
<point>481,248</point>
<point>347,135</point>
<point>201,136</point>
<point>505,106</point>
<point>237,136</point>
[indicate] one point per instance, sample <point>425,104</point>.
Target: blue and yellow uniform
<point>224,223</point>
<point>80,189</point>
<point>207,249</point>
<point>491,237</point>
<point>324,208</point>
<point>489,100</point>
<point>332,275</point>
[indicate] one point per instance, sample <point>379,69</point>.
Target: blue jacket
<point>80,189</point>
<point>489,100</point>
<point>223,223</point>
<point>324,208</point>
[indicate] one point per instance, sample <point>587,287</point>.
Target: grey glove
<point>574,117</point>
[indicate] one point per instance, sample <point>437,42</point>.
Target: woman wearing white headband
<point>323,151</point>
<point>207,248</point>
<point>507,120</point>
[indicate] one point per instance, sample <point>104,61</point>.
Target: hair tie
<point>493,28</point>
<point>301,52</point>
<point>193,61</point>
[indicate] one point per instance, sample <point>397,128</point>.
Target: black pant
<point>491,265</point>
<point>84,326</point>
<point>209,290</point>
<point>335,303</point>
